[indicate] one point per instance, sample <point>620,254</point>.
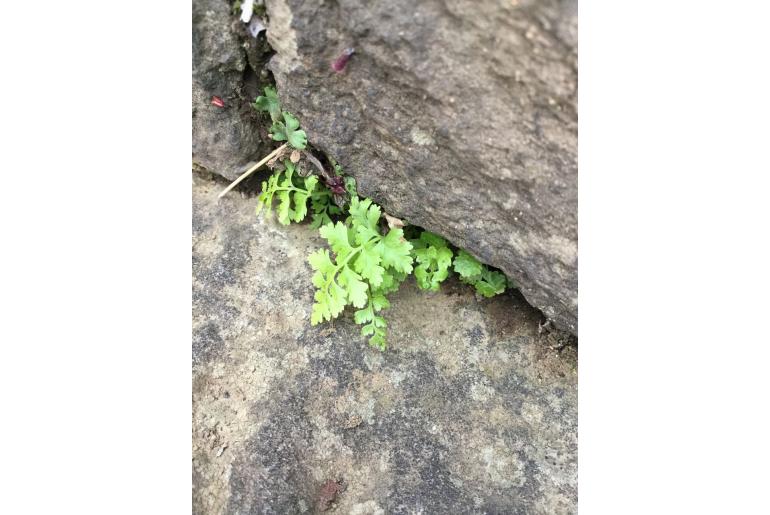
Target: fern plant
<point>365,260</point>
<point>366,265</point>
<point>433,257</point>
<point>288,130</point>
<point>323,208</point>
<point>285,126</point>
<point>291,191</point>
<point>269,103</point>
<point>487,282</point>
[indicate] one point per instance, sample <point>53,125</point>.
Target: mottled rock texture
<point>228,63</point>
<point>471,410</point>
<point>457,115</point>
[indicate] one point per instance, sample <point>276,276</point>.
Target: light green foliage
<point>364,264</point>
<point>373,324</point>
<point>466,265</point>
<point>491,283</point>
<point>283,183</point>
<point>487,282</point>
<point>336,166</point>
<point>365,267</point>
<point>270,103</point>
<point>350,186</point>
<point>433,258</point>
<point>323,207</point>
<point>292,192</point>
<point>288,130</point>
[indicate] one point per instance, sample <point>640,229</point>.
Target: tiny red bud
<point>339,64</point>
<point>217,101</point>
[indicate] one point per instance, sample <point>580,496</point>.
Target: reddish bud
<point>336,184</point>
<point>339,64</point>
<point>217,101</point>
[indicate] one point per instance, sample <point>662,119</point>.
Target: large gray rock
<point>228,63</point>
<point>471,410</point>
<point>457,115</point>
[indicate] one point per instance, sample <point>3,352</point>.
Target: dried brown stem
<point>252,169</point>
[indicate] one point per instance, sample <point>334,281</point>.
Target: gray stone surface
<point>457,115</point>
<point>471,410</point>
<point>229,64</point>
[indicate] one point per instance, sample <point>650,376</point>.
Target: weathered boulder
<point>457,115</point>
<point>228,63</point>
<point>470,410</point>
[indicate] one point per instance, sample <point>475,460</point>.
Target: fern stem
<point>292,189</point>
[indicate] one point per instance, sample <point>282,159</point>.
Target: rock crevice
<point>227,63</point>
<point>459,116</point>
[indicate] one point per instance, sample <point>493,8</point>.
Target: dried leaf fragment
<point>280,155</point>
<point>393,222</point>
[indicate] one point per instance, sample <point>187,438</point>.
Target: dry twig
<point>252,169</point>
